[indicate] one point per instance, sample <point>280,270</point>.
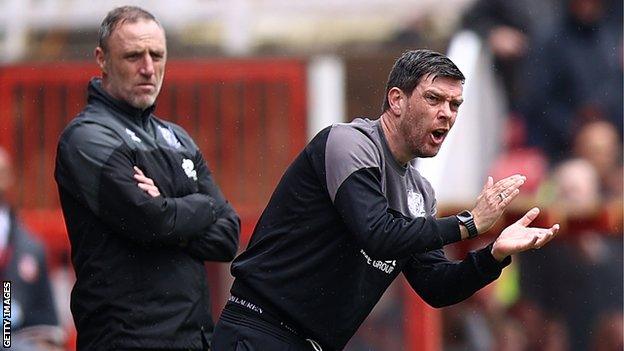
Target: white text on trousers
<point>245,304</point>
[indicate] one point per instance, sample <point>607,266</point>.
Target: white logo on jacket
<point>169,137</point>
<point>189,168</point>
<point>384,266</point>
<point>133,135</point>
<point>415,203</point>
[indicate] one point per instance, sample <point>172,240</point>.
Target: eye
<point>432,98</point>
<point>133,56</point>
<point>157,56</point>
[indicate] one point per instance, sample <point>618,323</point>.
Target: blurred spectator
<point>517,158</point>
<point>39,338</point>
<point>471,325</point>
<point>530,319</point>
<point>599,143</point>
<point>579,277</point>
<point>22,261</point>
<point>574,75</point>
<point>508,28</point>
<point>380,330</point>
<point>576,187</point>
<point>510,336</point>
<point>609,333</point>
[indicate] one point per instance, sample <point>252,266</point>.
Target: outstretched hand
<point>519,237</point>
<point>145,183</point>
<point>493,200</point>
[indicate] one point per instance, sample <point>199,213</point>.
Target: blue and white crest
<point>169,137</point>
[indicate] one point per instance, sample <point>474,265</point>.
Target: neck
<point>396,142</point>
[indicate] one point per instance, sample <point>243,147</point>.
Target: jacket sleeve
<point>96,167</point>
<point>441,282</point>
<point>219,242</point>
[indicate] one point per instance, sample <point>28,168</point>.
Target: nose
<point>445,111</point>
<point>147,66</point>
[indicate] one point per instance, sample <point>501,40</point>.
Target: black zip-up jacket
<point>344,221</point>
<point>139,260</point>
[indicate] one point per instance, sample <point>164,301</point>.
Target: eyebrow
<point>438,93</point>
<point>139,52</point>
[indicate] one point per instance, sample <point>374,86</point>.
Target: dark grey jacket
<point>139,261</point>
<point>345,220</point>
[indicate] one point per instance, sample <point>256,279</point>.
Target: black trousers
<point>205,347</point>
<point>236,331</point>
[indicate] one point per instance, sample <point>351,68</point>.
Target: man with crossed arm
<point>142,210</point>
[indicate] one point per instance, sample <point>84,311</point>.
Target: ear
<point>100,58</point>
<point>396,99</point>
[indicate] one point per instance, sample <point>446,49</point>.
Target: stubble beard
<point>144,101</point>
<point>413,139</point>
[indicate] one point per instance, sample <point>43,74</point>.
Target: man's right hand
<point>493,200</point>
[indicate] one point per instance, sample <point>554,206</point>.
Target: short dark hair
<point>413,65</point>
<point>118,16</point>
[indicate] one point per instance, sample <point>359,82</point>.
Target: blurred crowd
<point>34,322</point>
<point>561,64</point>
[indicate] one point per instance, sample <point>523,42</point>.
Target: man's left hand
<point>145,183</point>
<point>519,237</point>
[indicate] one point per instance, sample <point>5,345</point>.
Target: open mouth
<point>438,135</point>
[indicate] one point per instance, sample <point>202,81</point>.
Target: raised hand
<point>520,237</point>
<point>145,183</point>
<point>493,200</point>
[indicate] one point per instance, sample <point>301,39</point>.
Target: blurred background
<point>253,80</point>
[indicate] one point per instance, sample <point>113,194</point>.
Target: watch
<point>465,218</point>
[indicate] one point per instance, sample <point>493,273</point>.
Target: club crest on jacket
<point>415,203</point>
<point>189,168</point>
<point>133,136</point>
<point>169,137</point>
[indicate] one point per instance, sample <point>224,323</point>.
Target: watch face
<point>464,216</point>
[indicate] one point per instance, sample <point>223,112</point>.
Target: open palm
<point>520,237</point>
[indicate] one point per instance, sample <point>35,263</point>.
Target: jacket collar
<point>401,169</point>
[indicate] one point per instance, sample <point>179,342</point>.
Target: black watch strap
<point>465,218</point>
